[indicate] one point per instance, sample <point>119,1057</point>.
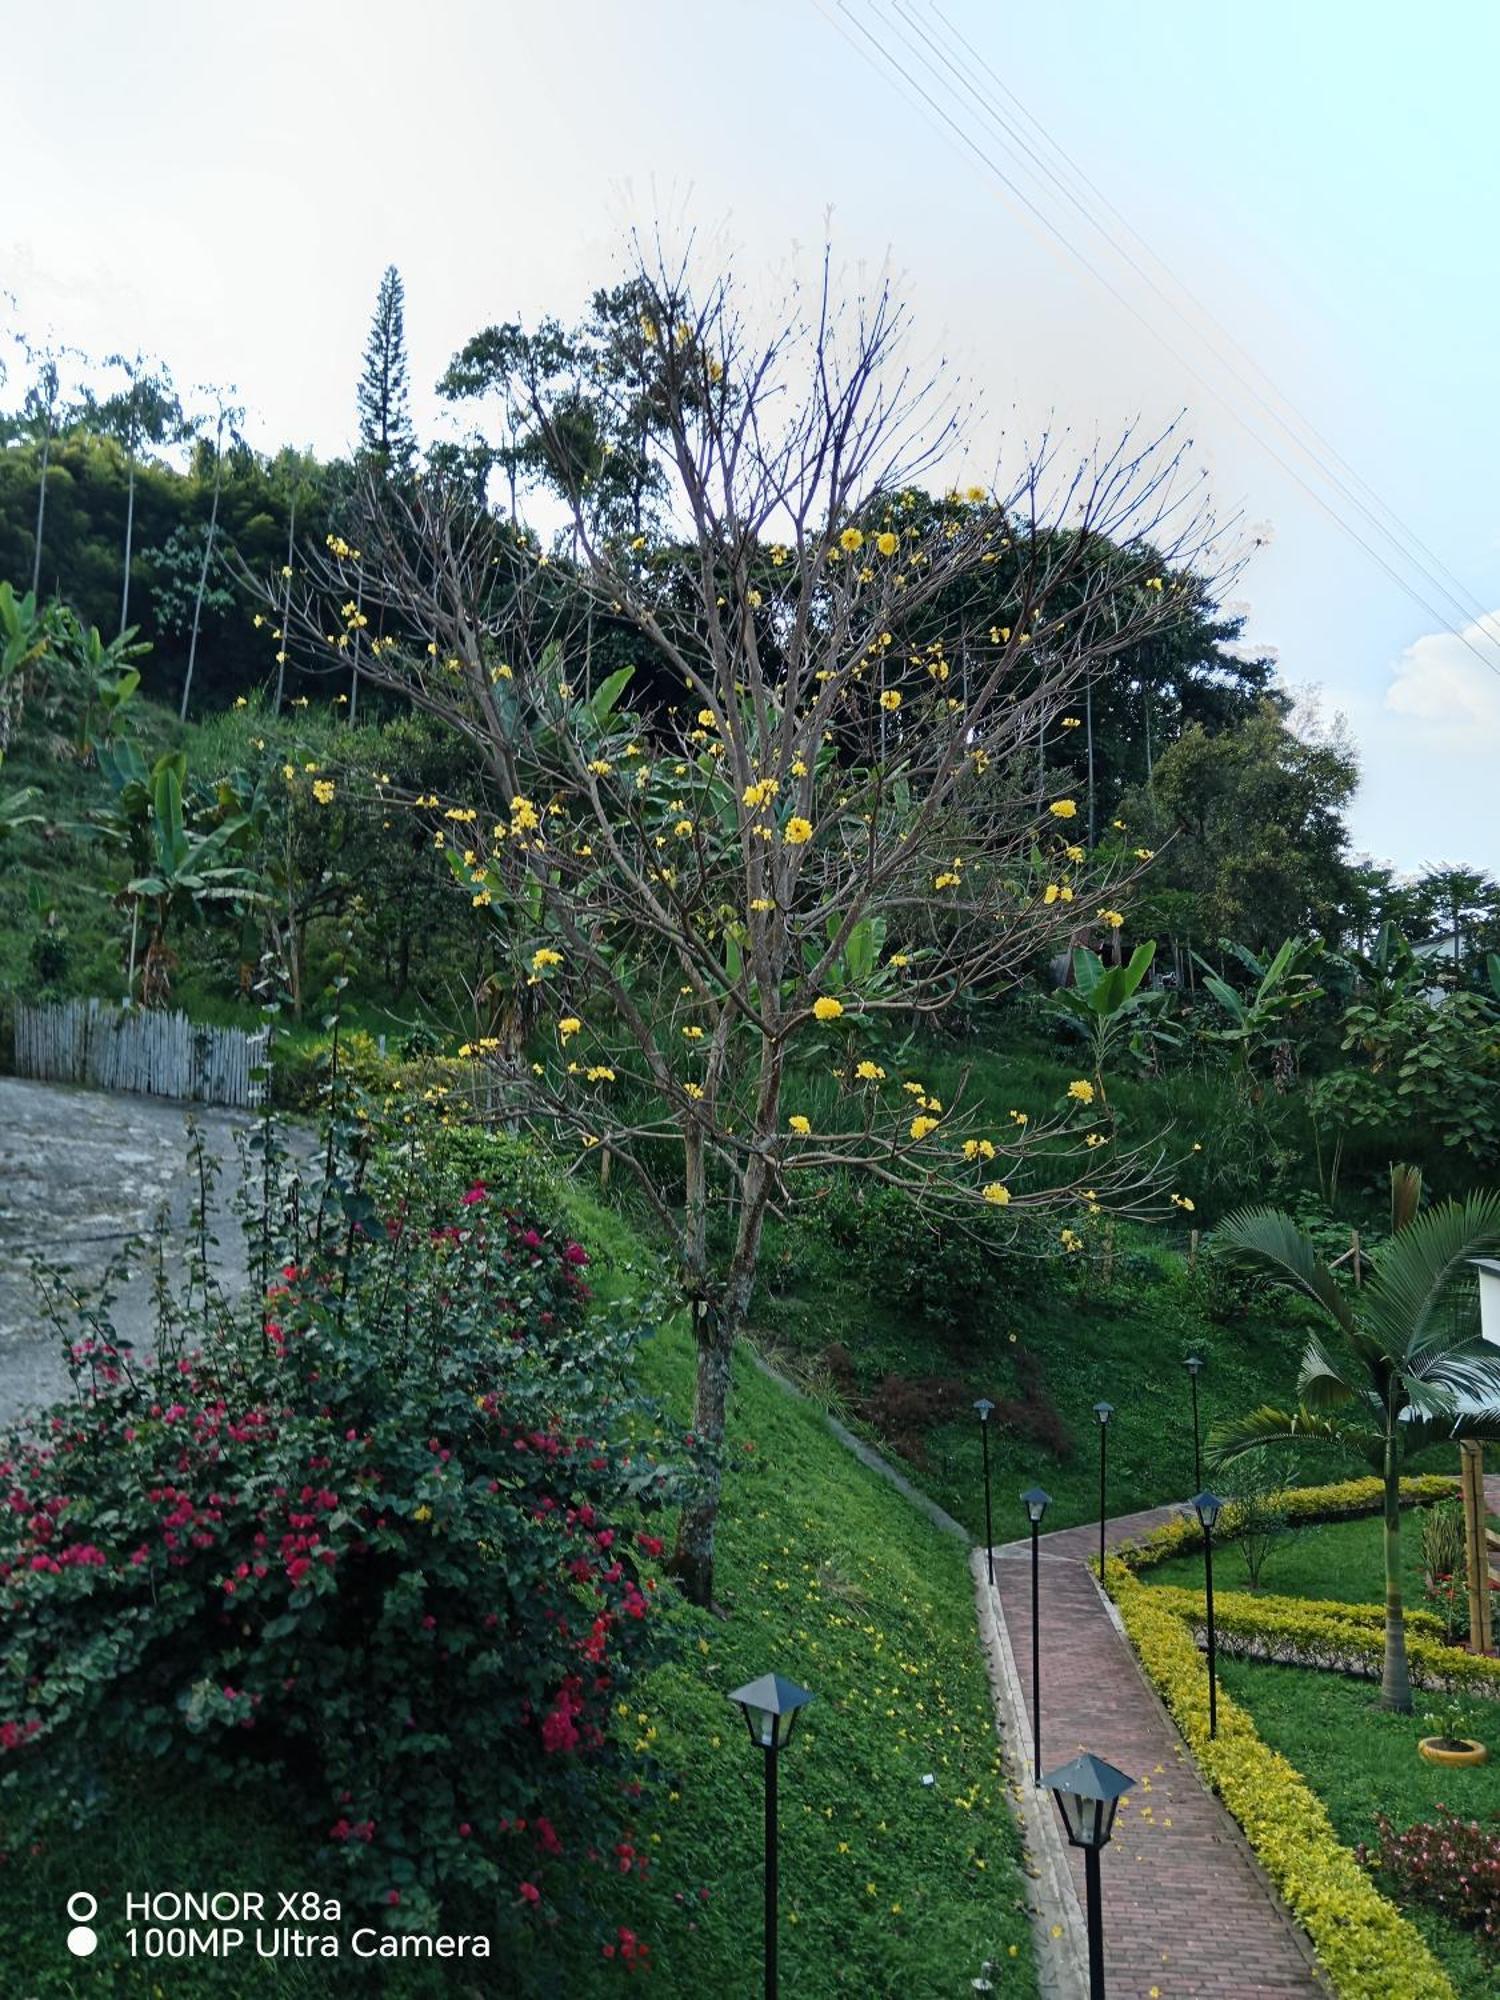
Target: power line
<point>1051,236</point>
<point>1371,505</point>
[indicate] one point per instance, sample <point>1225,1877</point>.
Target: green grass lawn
<point>889,1884</point>
<point>1362,1761</point>
<point>1342,1560</point>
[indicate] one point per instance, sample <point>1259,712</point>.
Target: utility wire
<point>1214,333</point>
<point>1047,232</point>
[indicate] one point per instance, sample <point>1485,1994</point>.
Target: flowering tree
<point>805,813</point>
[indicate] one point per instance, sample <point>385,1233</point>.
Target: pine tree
<point>385,427</point>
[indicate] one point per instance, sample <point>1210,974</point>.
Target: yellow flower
<point>850,540</point>
<point>1064,809</point>
<point>978,1149</point>
<point>798,832</point>
<point>898,958</point>
<point>890,701</point>
<point>887,543</point>
<point>601,767</point>
<point>1073,851</point>
<point>323,791</point>
<point>1080,1091</point>
<point>568,1026</point>
<point>922,1127</point>
<point>761,903</point>
<point>1070,1239</point>
<point>545,957</point>
<point>825,1009</point>
<point>996,1193</point>
<point>421,1514</point>
<point>692,1034</point>
<point>947,880</point>
<point>869,1072</point>
<point>1071,722</point>
<point>1110,917</point>
<point>761,792</point>
<point>1184,1202</point>
<point>800,1126</point>
<point>683,828</point>
<point>1051,893</point>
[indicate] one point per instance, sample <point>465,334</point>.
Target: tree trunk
<point>286,605</point>
<point>41,513</point>
<point>693,1559</point>
<point>208,554</point>
<point>1395,1681</point>
<point>129,533</point>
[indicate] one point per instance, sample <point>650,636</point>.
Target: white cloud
<point>1448,686</point>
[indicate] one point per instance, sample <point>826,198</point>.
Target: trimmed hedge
<point>1367,1948</point>
<point>1340,1501</point>
<point>1338,1638</point>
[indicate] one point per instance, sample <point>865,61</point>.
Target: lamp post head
<point>1207,1506</point>
<point>984,1406</point>
<point>1489,1298</point>
<point>1104,1411</point>
<point>1087,1792</point>
<point>771,1706</point>
<point>1193,1364</point>
<point>1036,1503</point>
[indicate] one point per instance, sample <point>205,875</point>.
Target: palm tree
<point>1401,1367</point>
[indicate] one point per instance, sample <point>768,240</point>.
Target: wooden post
<point>1354,1254</point>
<point>1476,1549</point>
<point>1192,1250</point>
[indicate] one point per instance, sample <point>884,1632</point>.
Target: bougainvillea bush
<point>378,1532</point>
<point>1450,1863</point>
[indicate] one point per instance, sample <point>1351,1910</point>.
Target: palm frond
<point>1322,1384</point>
<point>1406,1197</point>
<point>1268,1240</point>
<point>1235,1436</point>
<point>1423,1267</point>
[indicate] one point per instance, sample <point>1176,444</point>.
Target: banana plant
<point>1253,1020</point>
<point>25,635</point>
<point>184,871</point>
<point>1106,1002</point>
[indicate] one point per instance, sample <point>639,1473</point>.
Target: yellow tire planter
<point>1439,1750</point>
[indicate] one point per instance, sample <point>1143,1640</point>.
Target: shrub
<point>1451,1864</point>
<point>377,1536</point>
<point>1445,1568</point>
<point>1304,1505</point>
<point>1368,1949</point>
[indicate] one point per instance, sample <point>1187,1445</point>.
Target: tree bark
<point>41,513</point>
<point>208,554</point>
<point>693,1559</point>
<point>129,533</point>
<point>1395,1681</point>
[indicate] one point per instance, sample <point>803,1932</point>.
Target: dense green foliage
<point>1362,1761</point>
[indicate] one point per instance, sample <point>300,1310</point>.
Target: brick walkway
<point>1186,1910</point>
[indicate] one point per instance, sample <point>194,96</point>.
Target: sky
<point>223,185</point>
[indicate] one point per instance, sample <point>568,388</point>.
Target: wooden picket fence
<point>135,1049</point>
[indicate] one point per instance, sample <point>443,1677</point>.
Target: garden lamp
<point>1194,1366</point>
<point>1208,1507</point>
<point>1036,1503</point>
<point>984,1406</point>
<point>1489,1298</point>
<point>1103,1412</point>
<point>1087,1792</point>
<point>771,1706</point>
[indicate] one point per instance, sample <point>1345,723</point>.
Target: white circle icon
<point>82,1941</point>
<point>82,1907</point>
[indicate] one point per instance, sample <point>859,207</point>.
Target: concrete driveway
<point>81,1170</point>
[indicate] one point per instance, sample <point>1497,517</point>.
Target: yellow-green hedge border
<point>1342,1500</point>
<point>1368,1949</point>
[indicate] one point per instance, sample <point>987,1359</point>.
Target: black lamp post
<point>1087,1792</point>
<point>1036,1503</point>
<point>1207,1506</point>
<point>1193,1365</point>
<point>771,1706</point>
<point>1103,1411</point>
<point>984,1406</point>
